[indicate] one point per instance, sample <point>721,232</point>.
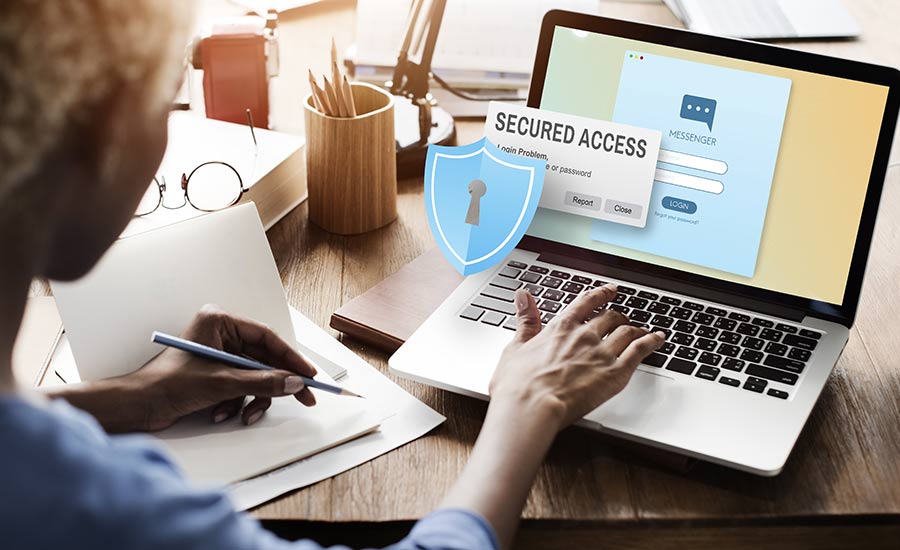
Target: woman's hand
<point>575,364</point>
<point>175,383</point>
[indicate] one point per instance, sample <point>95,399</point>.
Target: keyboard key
<point>551,282</point>
<point>703,318</point>
<point>495,305</point>
<point>728,350</point>
<point>640,316</point>
<point>777,393</point>
<point>687,353</point>
<point>771,334</point>
<point>682,339</point>
<point>747,329</point>
<point>598,282</point>
<point>648,295</point>
<point>550,306</point>
<point>693,305</point>
<point>705,344</point>
<point>498,293</point>
<point>680,313</point>
<point>667,348</point>
<point>753,343</point>
<point>547,318</point>
<point>729,381</point>
<point>752,356</point>
<point>560,274</point>
<point>710,358</point>
<point>717,311</point>
<point>740,317</point>
<point>655,360</point>
<point>733,364</point>
<point>659,307</point>
<point>534,290</point>
<point>636,302</point>
<point>707,373</point>
<point>810,334</point>
<point>539,269</point>
<point>574,288</point>
<point>510,323</point>
<point>530,277</point>
<point>776,349</point>
<point>800,342</point>
<point>508,284</point>
<point>765,323</point>
<point>730,337</point>
<point>472,313</point>
<point>707,332</point>
<point>680,365</point>
<point>664,330</point>
<point>670,300</point>
<point>784,363</point>
<point>627,290</point>
<point>725,323</point>
<point>755,384</point>
<point>662,321</point>
<point>685,326</point>
<point>517,265</point>
<point>510,272</point>
<point>569,298</point>
<point>799,354</point>
<point>581,279</point>
<point>786,328</point>
<point>620,298</point>
<point>493,318</point>
<point>775,375</point>
<point>554,295</point>
<point>621,309</point>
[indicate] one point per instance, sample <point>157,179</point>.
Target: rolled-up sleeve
<point>450,529</point>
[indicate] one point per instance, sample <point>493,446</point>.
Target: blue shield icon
<point>480,200</point>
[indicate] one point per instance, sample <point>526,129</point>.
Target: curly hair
<point>60,58</point>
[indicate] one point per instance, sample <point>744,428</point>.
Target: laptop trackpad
<point>648,398</point>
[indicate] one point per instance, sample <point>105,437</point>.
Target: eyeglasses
<point>209,187</point>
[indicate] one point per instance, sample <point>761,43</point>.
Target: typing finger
<point>639,349</point>
<point>528,318</point>
<point>581,309</point>
<point>606,322</point>
<point>621,337</point>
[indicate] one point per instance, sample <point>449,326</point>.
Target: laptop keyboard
<point>712,343</point>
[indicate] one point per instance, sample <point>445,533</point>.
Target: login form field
<point>721,131</point>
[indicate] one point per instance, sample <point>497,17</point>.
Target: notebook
<point>158,281</point>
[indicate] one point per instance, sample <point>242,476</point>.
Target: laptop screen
<point>762,171</point>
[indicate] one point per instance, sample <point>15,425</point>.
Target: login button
<point>679,205</point>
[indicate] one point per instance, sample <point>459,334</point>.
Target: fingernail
<point>661,334</point>
<point>220,417</point>
<point>293,384</point>
<point>520,301</point>
<point>611,286</point>
<point>254,418</point>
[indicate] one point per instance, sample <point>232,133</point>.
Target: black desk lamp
<point>418,120</point>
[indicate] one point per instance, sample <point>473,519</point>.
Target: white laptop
<point>757,285</point>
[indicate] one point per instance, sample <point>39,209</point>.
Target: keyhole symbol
<point>477,189</point>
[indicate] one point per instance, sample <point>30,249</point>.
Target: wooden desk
<point>841,486</point>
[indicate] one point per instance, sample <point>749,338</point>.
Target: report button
<point>679,205</point>
<point>582,201</point>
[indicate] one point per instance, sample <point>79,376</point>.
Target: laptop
<point>756,280</point>
<point>767,19</point>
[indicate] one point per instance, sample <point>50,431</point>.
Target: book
<point>273,170</point>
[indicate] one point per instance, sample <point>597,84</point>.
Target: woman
<point>85,88</point>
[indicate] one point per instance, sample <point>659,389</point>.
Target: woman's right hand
<point>575,363</point>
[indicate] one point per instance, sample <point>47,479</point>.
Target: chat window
<point>721,130</point>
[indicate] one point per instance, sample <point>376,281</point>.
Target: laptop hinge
<point>673,285</point>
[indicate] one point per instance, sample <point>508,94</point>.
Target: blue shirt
<point>64,483</point>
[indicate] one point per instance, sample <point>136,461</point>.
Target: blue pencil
<point>236,361</point>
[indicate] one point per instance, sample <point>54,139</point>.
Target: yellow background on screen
<point>821,175</point>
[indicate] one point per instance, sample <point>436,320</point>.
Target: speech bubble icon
<point>701,109</point>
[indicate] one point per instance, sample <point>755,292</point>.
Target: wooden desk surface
<point>844,471</point>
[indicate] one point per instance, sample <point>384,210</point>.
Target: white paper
<point>408,419</point>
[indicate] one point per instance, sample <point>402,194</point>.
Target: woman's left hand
<point>175,383</point>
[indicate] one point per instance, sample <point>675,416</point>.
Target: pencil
<point>348,95</point>
<point>332,98</point>
<point>316,93</point>
<point>237,361</point>
<point>252,131</point>
<point>343,110</point>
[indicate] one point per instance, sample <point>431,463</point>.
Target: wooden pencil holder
<point>351,164</point>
